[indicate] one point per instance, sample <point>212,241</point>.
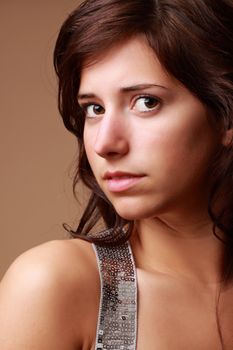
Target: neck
<point>184,250</point>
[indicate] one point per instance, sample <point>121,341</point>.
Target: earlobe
<point>227,138</point>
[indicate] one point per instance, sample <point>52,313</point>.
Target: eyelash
<point>84,106</point>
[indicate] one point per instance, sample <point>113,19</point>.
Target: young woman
<point>147,89</point>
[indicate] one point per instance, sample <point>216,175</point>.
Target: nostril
<point>110,147</point>
<point>109,154</point>
<point>112,153</point>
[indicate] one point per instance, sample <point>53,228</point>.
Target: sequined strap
<point>117,323</point>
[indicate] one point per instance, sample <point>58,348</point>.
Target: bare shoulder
<point>51,263</point>
<point>44,293</point>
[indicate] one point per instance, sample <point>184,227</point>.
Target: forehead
<point>128,63</point>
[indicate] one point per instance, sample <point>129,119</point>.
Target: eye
<point>92,110</point>
<point>146,104</point>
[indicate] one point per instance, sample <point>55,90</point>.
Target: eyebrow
<point>137,87</point>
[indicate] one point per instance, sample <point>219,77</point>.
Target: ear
<point>227,138</point>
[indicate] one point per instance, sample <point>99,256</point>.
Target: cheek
<point>88,140</point>
<point>175,144</point>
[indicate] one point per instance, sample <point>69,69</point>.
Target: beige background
<point>36,151</point>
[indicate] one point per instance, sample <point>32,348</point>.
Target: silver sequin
<point>117,323</point>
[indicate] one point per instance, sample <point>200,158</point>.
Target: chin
<point>132,212</point>
<point>142,207</point>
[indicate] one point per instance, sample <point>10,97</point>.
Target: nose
<point>112,136</point>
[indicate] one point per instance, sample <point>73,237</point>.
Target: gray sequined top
<point>117,322</point>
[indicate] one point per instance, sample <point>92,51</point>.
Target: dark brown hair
<point>194,42</point>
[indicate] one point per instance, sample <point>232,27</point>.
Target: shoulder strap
<point>117,323</point>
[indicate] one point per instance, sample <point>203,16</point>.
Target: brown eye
<point>146,104</point>
<point>92,110</point>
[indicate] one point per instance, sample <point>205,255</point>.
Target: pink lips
<point>121,181</point>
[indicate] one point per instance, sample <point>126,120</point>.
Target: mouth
<point>121,181</point>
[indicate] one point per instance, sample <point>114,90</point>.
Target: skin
<point>47,298</point>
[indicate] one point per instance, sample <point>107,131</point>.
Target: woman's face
<point>147,138</point>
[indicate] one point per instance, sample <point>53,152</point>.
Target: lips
<point>119,181</point>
